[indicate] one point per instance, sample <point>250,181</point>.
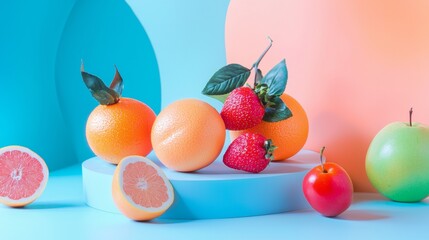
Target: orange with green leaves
<point>118,127</point>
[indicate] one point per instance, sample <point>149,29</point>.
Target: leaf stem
<point>411,115</point>
<point>256,64</point>
<point>321,159</point>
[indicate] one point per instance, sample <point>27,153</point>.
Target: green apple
<point>397,161</point>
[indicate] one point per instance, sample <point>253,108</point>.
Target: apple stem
<point>321,159</point>
<point>411,114</point>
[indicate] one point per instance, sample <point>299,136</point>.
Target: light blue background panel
<point>189,41</point>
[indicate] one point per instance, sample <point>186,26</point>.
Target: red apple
<point>328,188</point>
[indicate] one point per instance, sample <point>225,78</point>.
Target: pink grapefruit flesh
<point>23,176</point>
<point>140,189</point>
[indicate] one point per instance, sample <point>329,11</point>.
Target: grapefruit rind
<point>25,201</point>
<point>125,203</point>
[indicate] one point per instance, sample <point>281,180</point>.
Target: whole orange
<point>188,135</point>
<point>288,135</point>
<point>120,130</point>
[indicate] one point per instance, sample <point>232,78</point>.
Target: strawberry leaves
<point>279,111</point>
<point>269,149</point>
<point>258,75</point>
<point>225,80</point>
<point>276,79</point>
<point>103,94</point>
<point>268,88</point>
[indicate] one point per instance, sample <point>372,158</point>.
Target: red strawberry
<point>250,152</point>
<point>242,109</point>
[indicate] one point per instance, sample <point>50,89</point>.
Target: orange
<point>188,135</point>
<point>288,135</point>
<point>119,130</point>
<point>23,176</point>
<point>140,189</point>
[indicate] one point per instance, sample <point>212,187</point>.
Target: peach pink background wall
<point>354,65</point>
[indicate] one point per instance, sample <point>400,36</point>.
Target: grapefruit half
<point>140,189</point>
<point>23,176</point>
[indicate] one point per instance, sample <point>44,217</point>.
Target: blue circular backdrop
<point>30,115</point>
<point>103,34</point>
<point>165,51</point>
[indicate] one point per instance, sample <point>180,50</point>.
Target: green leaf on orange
<point>117,83</point>
<point>278,112</point>
<point>103,94</point>
<point>276,79</point>
<point>226,79</point>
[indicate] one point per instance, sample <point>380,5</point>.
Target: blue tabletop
<point>61,213</point>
